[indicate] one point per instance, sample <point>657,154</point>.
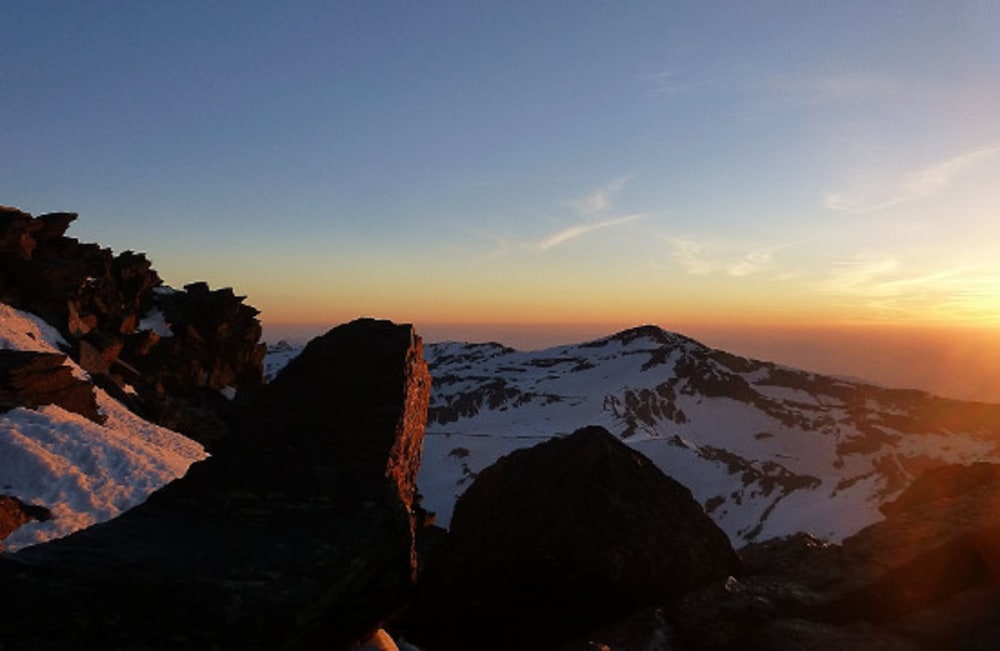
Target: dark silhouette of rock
<point>645,630</point>
<point>806,635</point>
<point>944,482</point>
<point>918,556</point>
<point>554,540</point>
<point>297,533</point>
<point>32,379</point>
<point>215,342</point>
<point>16,228</point>
<point>927,577</point>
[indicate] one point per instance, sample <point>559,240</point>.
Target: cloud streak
<point>912,185</point>
<point>579,230</point>
<point>820,90</point>
<point>884,288</point>
<point>600,200</point>
<point>702,258</point>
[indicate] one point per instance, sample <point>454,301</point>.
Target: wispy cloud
<point>700,258</point>
<point>501,245</point>
<point>667,82</point>
<point>911,185</point>
<point>579,230</point>
<point>862,276</point>
<point>600,200</point>
<point>885,288</point>
<point>818,90</point>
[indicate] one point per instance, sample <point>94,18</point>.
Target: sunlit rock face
<point>14,513</point>
<point>67,448</point>
<point>553,539</point>
<point>31,379</point>
<point>296,533</point>
<point>170,355</point>
<point>767,450</point>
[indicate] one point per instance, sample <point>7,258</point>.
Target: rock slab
<point>296,534</point>
<point>553,540</point>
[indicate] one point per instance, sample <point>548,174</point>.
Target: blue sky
<point>525,162</point>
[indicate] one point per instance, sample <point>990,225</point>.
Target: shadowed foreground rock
<point>298,533</point>
<point>557,539</point>
<point>927,577</point>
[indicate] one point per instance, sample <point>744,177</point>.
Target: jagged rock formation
<point>166,353</point>
<point>30,379</point>
<point>554,539</point>
<point>297,533</point>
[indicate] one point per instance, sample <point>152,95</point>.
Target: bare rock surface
<point>555,539</point>
<point>297,533</point>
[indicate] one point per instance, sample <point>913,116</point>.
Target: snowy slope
<point>768,450</point>
<point>278,356</point>
<point>81,471</point>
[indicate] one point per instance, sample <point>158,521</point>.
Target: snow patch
<point>84,473</point>
<point>156,321</point>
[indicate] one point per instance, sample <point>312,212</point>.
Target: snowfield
<point>766,449</point>
<point>84,473</point>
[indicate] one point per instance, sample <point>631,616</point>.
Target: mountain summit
<point>767,450</point>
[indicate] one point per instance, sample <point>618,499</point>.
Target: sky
<point>535,172</point>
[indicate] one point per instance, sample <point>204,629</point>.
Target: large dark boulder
<point>553,540</point>
<point>297,534</point>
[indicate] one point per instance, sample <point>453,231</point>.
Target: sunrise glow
<point>502,169</point>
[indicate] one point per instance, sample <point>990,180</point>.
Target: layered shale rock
<point>552,540</point>
<point>297,533</point>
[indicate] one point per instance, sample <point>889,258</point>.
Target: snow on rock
<point>156,321</point>
<point>82,472</point>
<point>278,356</point>
<point>768,450</point>
<point>24,331</point>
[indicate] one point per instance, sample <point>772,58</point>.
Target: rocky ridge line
<point>166,353</point>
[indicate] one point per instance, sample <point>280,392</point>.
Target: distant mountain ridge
<point>768,450</point>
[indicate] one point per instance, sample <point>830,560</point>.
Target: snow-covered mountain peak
<point>769,450</point>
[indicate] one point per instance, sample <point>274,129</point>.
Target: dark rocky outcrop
<point>31,379</point>
<point>927,577</point>
<point>944,483</point>
<point>297,533</point>
<point>98,300</point>
<point>555,539</point>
